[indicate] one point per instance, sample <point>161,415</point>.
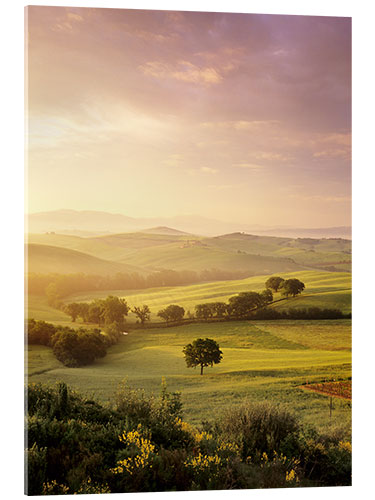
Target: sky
<point>236,117</point>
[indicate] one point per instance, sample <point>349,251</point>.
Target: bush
<point>78,348</point>
<point>258,428</point>
<point>39,332</point>
<point>76,445</point>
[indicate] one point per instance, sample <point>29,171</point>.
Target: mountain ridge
<point>90,222</point>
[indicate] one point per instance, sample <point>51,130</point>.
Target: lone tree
<point>143,313</point>
<point>292,287</point>
<point>202,353</point>
<point>274,283</point>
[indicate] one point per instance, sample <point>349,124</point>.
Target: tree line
<point>56,286</point>
<point>245,305</point>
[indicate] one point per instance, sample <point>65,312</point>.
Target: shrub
<point>258,428</point>
<point>78,348</point>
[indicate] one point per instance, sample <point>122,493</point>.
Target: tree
<point>203,311</point>
<point>172,313</point>
<point>143,313</point>
<point>266,297</point>
<point>202,352</point>
<point>73,309</point>
<point>39,332</point>
<point>52,295</point>
<point>77,348</point>
<point>242,304</point>
<point>274,283</point>
<point>219,308</point>
<point>84,311</point>
<point>95,312</point>
<point>292,287</point>
<point>114,309</point>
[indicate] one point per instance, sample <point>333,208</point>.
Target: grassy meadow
<point>261,361</point>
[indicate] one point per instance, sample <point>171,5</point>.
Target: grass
<point>46,259</point>
<point>39,309</point>
<point>172,256</point>
<point>305,251</point>
<point>261,361</point>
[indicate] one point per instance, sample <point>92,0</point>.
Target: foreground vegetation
<point>139,443</point>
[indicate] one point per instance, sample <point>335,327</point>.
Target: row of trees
<point>100,311</point>
<point>105,312</point>
<point>113,309</point>
<point>57,286</point>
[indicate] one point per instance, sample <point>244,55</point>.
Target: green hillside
<point>323,289</point>
<point>49,259</point>
<point>233,252</point>
<point>90,246</point>
<point>305,251</point>
<point>197,258</point>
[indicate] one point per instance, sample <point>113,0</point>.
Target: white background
<point>12,210</point>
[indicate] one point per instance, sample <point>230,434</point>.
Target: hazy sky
<point>232,116</point>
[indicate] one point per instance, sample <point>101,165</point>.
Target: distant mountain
<point>94,223</point>
<point>319,232</point>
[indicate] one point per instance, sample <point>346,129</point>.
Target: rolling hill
<point>323,289</point>
<point>46,259</point>
<point>164,230</point>
<point>168,248</point>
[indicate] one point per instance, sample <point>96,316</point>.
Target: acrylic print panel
<point>188,251</point>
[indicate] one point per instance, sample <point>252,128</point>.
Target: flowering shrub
<point>76,445</point>
<point>141,451</point>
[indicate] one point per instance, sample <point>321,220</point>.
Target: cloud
<point>174,160</point>
<point>265,155</point>
<point>239,124</point>
<point>321,198</point>
<point>66,22</point>
<point>222,187</point>
<point>332,154</point>
<point>74,17</point>
<point>339,139</point>
<point>249,166</point>
<point>208,170</point>
<point>184,71</point>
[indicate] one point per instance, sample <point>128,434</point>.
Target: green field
<point>46,259</point>
<point>261,361</point>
